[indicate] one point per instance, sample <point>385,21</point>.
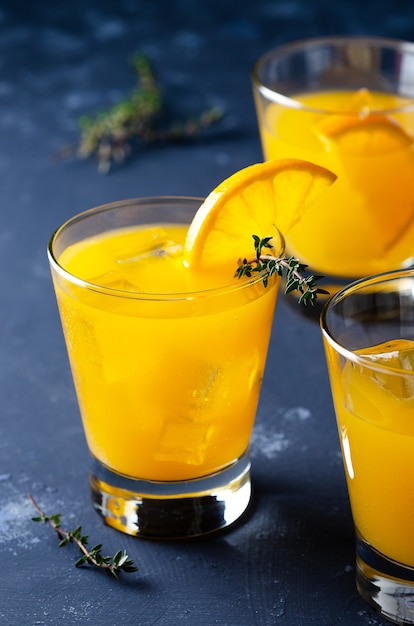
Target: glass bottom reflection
<point>386,585</point>
<point>171,510</point>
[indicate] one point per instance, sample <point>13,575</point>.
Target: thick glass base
<point>386,585</point>
<point>171,510</point>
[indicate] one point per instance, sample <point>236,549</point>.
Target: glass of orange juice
<point>345,103</point>
<point>166,370</point>
<point>368,332</point>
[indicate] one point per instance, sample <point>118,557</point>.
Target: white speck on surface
<point>266,443</point>
<point>279,608</point>
<point>15,520</point>
<point>297,413</point>
<point>17,528</point>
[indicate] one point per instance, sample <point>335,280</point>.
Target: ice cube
<point>82,342</point>
<point>149,243</point>
<point>397,354</point>
<point>203,393</point>
<point>140,264</point>
<point>189,395</point>
<point>183,441</point>
<point>381,397</point>
<point>114,280</point>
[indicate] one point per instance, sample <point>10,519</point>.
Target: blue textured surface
<point>292,560</point>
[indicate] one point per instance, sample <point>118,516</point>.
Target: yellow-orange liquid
<point>364,223</point>
<point>168,389</point>
<point>375,413</point>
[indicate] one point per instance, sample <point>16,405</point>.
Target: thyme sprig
<point>269,264</point>
<point>120,562</point>
<point>109,135</point>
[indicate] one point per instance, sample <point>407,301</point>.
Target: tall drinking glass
<point>345,103</point>
<point>368,332</point>
<point>166,370</point>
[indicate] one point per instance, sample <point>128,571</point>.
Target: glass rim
<point>342,294</point>
<point>172,296</point>
<point>313,42</point>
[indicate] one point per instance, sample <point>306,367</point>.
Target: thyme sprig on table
<point>120,562</point>
<point>269,264</point>
<point>109,135</point>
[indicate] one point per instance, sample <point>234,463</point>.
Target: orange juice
<point>364,223</point>
<point>166,366</point>
<point>375,413</point>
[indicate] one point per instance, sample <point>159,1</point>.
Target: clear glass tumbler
<point>368,332</point>
<point>166,367</point>
<point>346,103</point>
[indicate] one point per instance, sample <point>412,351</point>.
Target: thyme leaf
<point>110,135</point>
<point>113,565</point>
<point>294,271</point>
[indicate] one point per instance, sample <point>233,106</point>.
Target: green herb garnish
<point>120,562</point>
<point>269,264</point>
<point>110,135</point>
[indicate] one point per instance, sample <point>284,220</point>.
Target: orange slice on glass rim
<point>361,129</point>
<point>261,199</point>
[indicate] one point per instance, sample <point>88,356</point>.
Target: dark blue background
<point>291,562</point>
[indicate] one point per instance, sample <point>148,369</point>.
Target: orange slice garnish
<point>360,129</point>
<point>261,199</point>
